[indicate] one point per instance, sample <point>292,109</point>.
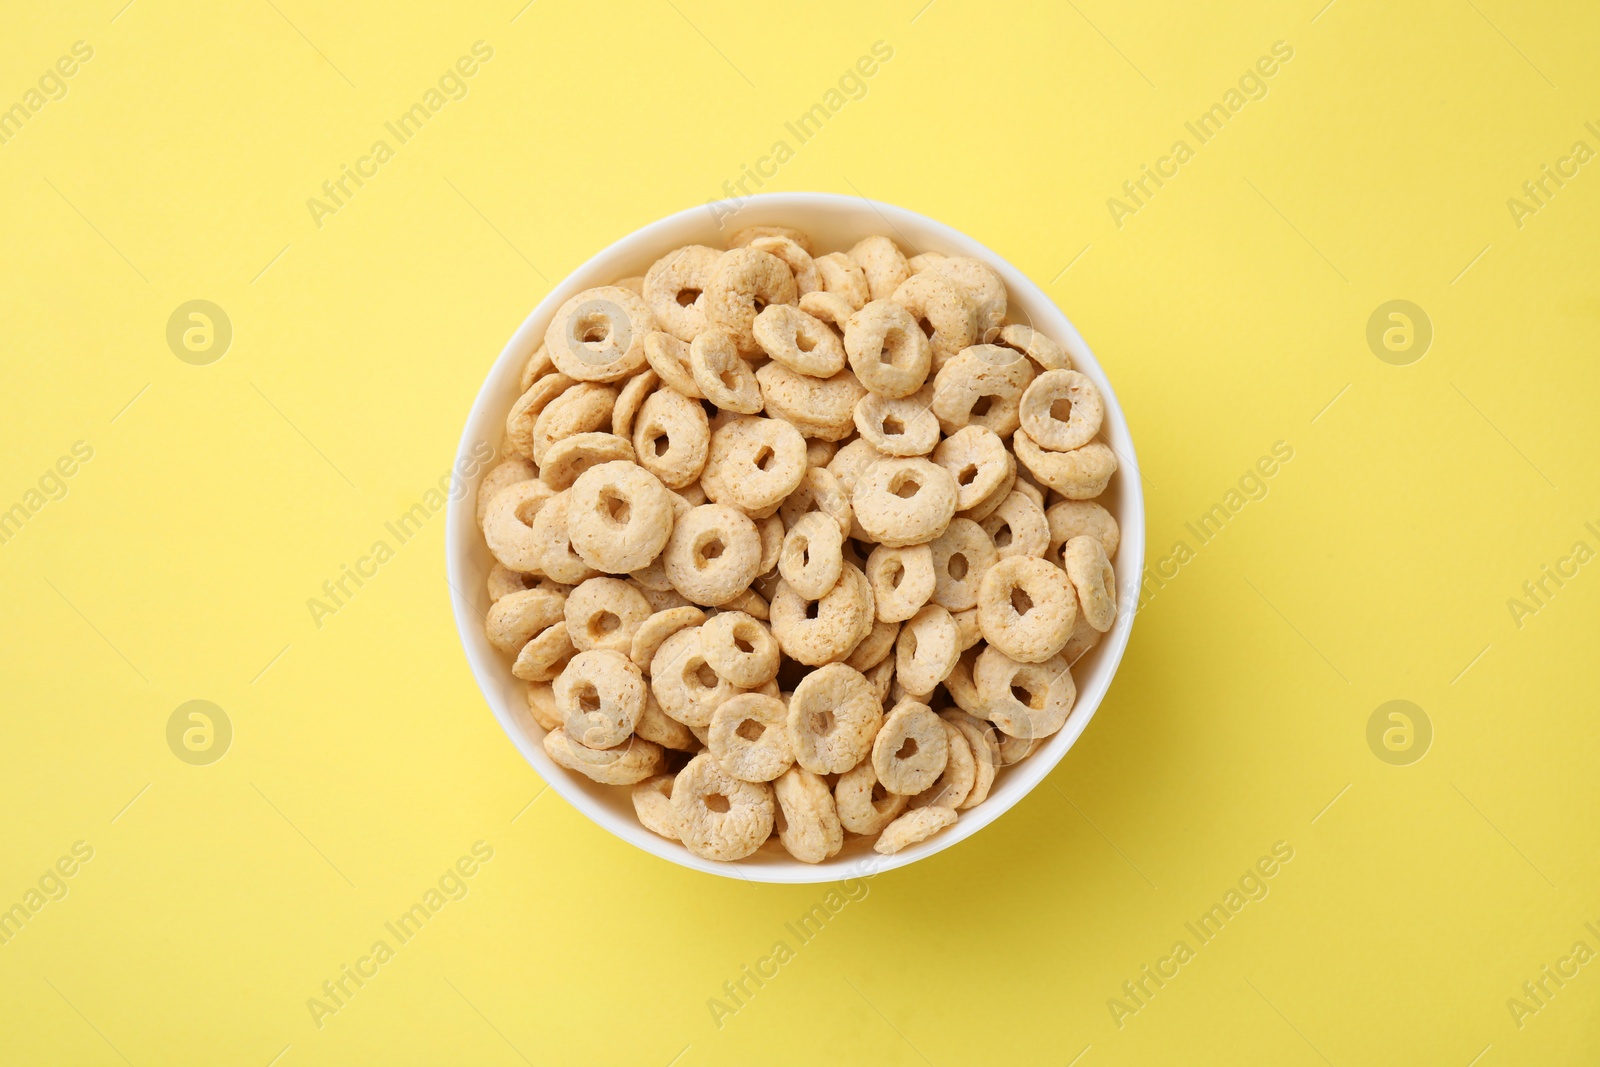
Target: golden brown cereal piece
<point>745,281</point>
<point>1094,580</point>
<point>818,491</point>
<point>515,620</point>
<point>898,427</point>
<point>740,649</point>
<point>566,459</point>
<point>942,311</point>
<point>509,472</point>
<point>619,517</point>
<point>959,682</point>
<point>751,603</point>
<point>730,828</point>
<point>1018,527</point>
<point>1084,637</point>
<point>694,495</point>
<point>524,415</point>
<point>508,524</point>
<point>911,749</point>
<point>1077,518</point>
<point>1017,749</point>
<point>656,725</point>
<point>672,438</point>
<point>580,408</point>
<point>961,557</point>
<point>630,762</point>
<point>983,385</point>
<point>771,531</point>
<point>834,713</point>
<point>911,828</point>
<point>851,461</point>
<point>983,742</point>
<point>800,341</point>
<point>978,461</point>
<point>744,237</point>
<point>830,308</point>
<point>819,452</point>
<point>713,554</point>
<point>652,802</point>
<point>887,349</point>
<point>598,335</point>
<point>874,648</point>
<point>753,464</point>
<point>987,506</point>
<point>808,823</point>
<point>812,555</point>
<point>863,804</point>
<point>843,279</point>
<point>605,613</point>
<point>503,581</point>
<point>600,696</point>
<point>1081,474</point>
<point>683,682</point>
<point>659,626</point>
<point>806,277</point>
<point>634,283</point>
<point>1026,608</point>
<point>904,500</point>
<point>660,599</point>
<point>843,617</point>
<point>923,261</point>
<point>669,358</point>
<point>1036,346</point>
<point>902,580</point>
<point>539,364</point>
<point>675,289</point>
<point>956,781</point>
<point>546,656</point>
<point>630,398</point>
<point>883,265</point>
<point>982,285</point>
<point>1047,687</point>
<point>750,737</point>
<point>1061,410</point>
<point>927,649</point>
<point>968,632</point>
<point>1026,484</point>
<point>817,407</point>
<point>554,550</point>
<point>722,376</point>
<point>542,705</point>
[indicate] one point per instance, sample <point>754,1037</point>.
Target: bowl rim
<point>488,667</point>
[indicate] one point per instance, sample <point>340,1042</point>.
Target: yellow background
<point>1230,312</point>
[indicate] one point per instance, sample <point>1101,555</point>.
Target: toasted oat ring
<point>912,828</point>
<point>904,500</point>
<point>675,286</point>
<point>548,533</point>
<point>1016,749</point>
<point>806,277</point>
<point>546,656</point>
<point>911,749</point>
<point>503,581</point>
<point>981,284</point>
<point>927,649</point>
<point>984,745</point>
<point>509,471</point>
<point>834,713</point>
<point>750,737</point>
<point>515,620</point>
<point>959,682</point>
<point>817,407</point>
<point>968,633</point>
<point>978,461</point>
<point>579,409</point>
<point>652,803</point>
<point>771,532</point>
<point>902,580</point>
<point>656,725</point>
<point>1018,527</point>
<point>745,281</point>
<point>887,349</point>
<point>843,617</point>
<point>799,341</point>
<point>566,459</point>
<point>740,649</point>
<point>671,437</point>
<point>923,260</point>
<point>942,311</point>
<point>754,464</point>
<point>1036,346</point>
<point>808,822</point>
<point>983,385</point>
<point>600,696</point>
<point>659,626</point>
<point>630,398</point>
<point>874,648</point>
<point>896,427</point>
<point>961,557</point>
<point>713,553</point>
<point>542,705</point>
<point>883,265</point>
<point>1081,474</point>
<point>524,414</point>
<point>818,491</point>
<point>851,460</point>
<point>605,613</point>
<point>1026,608</point>
<point>1048,685</point>
<point>539,364</point>
<point>1061,410</point>
<point>751,603</point>
<point>508,524</point>
<point>864,805</point>
<point>598,335</point>
<point>732,830</point>
<point>624,765</point>
<point>986,506</point>
<point>1093,579</point>
<point>812,556</point>
<point>742,238</point>
<point>830,308</point>
<point>722,376</point>
<point>1076,518</point>
<point>669,358</point>
<point>819,452</point>
<point>842,278</point>
<point>960,774</point>
<point>619,516</point>
<point>683,682</point>
<point>1084,637</point>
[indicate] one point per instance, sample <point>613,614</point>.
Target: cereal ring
<point>515,620</point>
<point>566,459</point>
<point>1081,474</point>
<point>652,803</point>
<point>730,828</point>
<point>634,283</point>
<point>1084,637</point>
<point>675,286</point>
<point>942,311</point>
<point>883,265</point>
<point>1048,687</point>
<point>830,308</point>
<point>619,517</point>
<point>961,557</point>
<point>982,285</point>
<point>983,385</point>
<point>750,737</point>
<point>542,705</point>
<point>546,656</point>
<point>672,437</point>
<point>623,765</point>
<point>1017,749</point>
<point>819,452</point>
<point>983,744</point>
<point>740,649</point>
<point>656,725</point>
<point>1061,410</point>
<point>904,501</point>
<point>887,349</point>
<point>986,506</point>
<point>874,648</point>
<point>598,335</point>
<point>1036,346</point>
<point>548,534</point>
<point>912,827</point>
<point>902,580</point>
<point>818,491</point>
<point>683,682</point>
<point>808,823</point>
<point>745,281</point>
<point>669,358</point>
<point>927,649</point>
<point>657,627</point>
<point>831,629</point>
<point>508,524</point>
<point>812,558</point>
<point>851,460</point>
<point>713,553</point>
<point>629,399</point>
<point>896,427</point>
<point>799,341</point>
<point>817,407</point>
<point>864,805</point>
<point>960,774</point>
<point>923,261</point>
<point>834,713</point>
<point>579,409</point>
<point>751,603</point>
<point>1018,527</point>
<point>724,379</point>
<point>1026,484</point>
<point>1094,580</point>
<point>605,613</point>
<point>754,463</point>
<point>882,679</point>
<point>911,749</point>
<point>509,472</point>
<point>968,632</point>
<point>503,581</point>
<point>1077,518</point>
<point>742,238</point>
<point>600,696</point>
<point>1026,608</point>
<point>524,415</point>
<point>539,364</point>
<point>959,682</point>
<point>797,259</point>
<point>978,461</point>
<point>843,279</point>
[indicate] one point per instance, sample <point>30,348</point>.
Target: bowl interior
<point>834,223</point>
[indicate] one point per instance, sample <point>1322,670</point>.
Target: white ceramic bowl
<point>834,223</point>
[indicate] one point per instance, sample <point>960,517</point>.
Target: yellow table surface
<point>1428,540</point>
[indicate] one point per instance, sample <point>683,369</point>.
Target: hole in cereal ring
<point>957,566</point>
<point>604,623</point>
<point>879,793</point>
<point>615,506</point>
<point>759,304</point>
<point>1061,409</point>
<point>588,698</point>
<point>1027,696</point>
<point>686,297</point>
<point>1002,536</point>
<point>905,486</point>
<point>750,730</point>
<point>593,329</point>
<point>743,644</point>
<point>660,445</point>
<point>728,378</point>
<point>822,722</point>
<point>1021,602</point>
<point>981,406</point>
<point>716,802</point>
<point>908,748</point>
<point>812,607</point>
<point>892,426</point>
<point>926,327</point>
<point>969,472</point>
<point>897,349</point>
<point>804,343</point>
<point>911,641</point>
<point>704,676</point>
<point>764,458</point>
<point>709,551</point>
<point>897,574</point>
